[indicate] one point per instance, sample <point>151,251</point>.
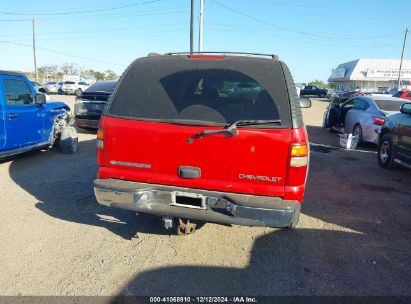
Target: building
<point>371,75</point>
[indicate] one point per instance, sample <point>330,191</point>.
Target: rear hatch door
<point>152,125</point>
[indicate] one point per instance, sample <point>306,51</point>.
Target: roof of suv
<point>134,96</point>
<point>215,55</point>
<point>11,73</point>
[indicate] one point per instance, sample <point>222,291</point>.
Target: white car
<point>74,87</point>
<point>52,87</point>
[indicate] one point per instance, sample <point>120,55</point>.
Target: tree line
<point>55,72</point>
<point>323,85</point>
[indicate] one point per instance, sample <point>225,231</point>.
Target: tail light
<point>297,168</point>
<point>299,155</point>
<point>101,159</point>
<point>377,120</point>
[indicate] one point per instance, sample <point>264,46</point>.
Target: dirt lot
<point>353,237</point>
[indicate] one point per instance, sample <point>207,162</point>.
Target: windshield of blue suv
<point>202,91</point>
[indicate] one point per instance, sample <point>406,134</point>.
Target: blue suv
<point>27,122</point>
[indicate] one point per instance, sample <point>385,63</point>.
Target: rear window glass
<point>104,86</point>
<point>389,105</point>
<point>202,91</point>
<point>69,82</point>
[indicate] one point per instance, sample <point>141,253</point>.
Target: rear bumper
<point>219,207</point>
<point>69,91</point>
<point>87,123</point>
<point>52,90</point>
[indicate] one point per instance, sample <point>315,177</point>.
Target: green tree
<point>99,76</point>
<point>318,83</point>
<point>48,71</point>
<point>69,68</point>
<point>322,84</point>
<point>332,85</point>
<point>111,75</point>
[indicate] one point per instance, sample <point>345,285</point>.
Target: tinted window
<point>349,104</point>
<point>398,94</point>
<point>335,102</point>
<point>104,86</point>
<point>409,95</point>
<point>83,83</point>
<point>389,105</point>
<point>52,82</point>
<point>202,91</point>
<point>69,82</point>
<point>216,96</point>
<point>17,92</point>
<point>361,104</point>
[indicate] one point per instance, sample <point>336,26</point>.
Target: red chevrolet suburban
<point>205,138</point>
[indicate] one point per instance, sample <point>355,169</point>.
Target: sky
<point>311,36</point>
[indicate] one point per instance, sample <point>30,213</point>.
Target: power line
<point>150,13</point>
<point>108,36</point>
<point>59,52</point>
<point>97,30</point>
<point>81,12</point>
<point>302,40</point>
<point>309,4</point>
<point>292,30</point>
<point>75,8</point>
<point>236,26</point>
<point>12,20</point>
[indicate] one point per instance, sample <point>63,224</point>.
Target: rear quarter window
<point>203,91</point>
<point>389,105</point>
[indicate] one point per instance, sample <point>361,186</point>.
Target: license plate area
<point>188,200</point>
<point>96,106</point>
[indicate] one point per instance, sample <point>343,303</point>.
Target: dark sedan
<point>91,103</point>
<point>394,146</point>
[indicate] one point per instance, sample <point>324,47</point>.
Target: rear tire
<point>68,141</point>
<point>78,92</point>
<point>386,152</point>
<point>357,131</point>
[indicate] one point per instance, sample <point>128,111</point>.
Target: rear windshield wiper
<point>231,129</point>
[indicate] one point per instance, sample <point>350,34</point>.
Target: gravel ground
<point>353,237</point>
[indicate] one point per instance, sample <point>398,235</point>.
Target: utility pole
<point>402,55</point>
<point>192,26</point>
<point>200,28</point>
<point>34,52</point>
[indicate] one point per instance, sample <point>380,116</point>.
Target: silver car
<point>52,87</point>
<point>361,116</point>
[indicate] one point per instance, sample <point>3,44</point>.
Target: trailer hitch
<point>185,227</point>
